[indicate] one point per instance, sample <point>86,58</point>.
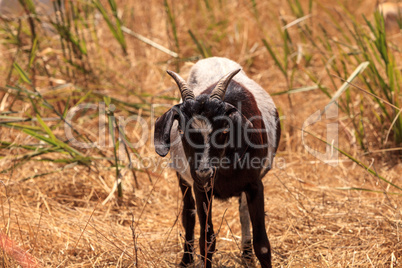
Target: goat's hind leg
<point>246,246</point>
<point>188,220</point>
<point>255,202</point>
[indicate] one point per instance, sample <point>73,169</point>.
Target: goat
<point>225,122</point>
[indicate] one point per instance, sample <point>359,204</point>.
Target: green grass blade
<point>40,137</point>
<point>46,128</point>
<point>22,73</point>
<point>346,84</point>
<point>172,22</point>
<point>198,44</point>
<point>273,55</point>
<point>360,163</point>
<point>366,190</point>
<point>33,52</point>
<point>116,31</point>
<point>295,90</point>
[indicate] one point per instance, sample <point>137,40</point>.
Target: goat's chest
<point>230,186</point>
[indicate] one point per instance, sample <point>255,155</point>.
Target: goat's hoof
<point>247,254</point>
<point>182,264</point>
<point>247,258</point>
<point>186,261</point>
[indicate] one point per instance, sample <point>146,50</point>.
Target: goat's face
<point>210,130</point>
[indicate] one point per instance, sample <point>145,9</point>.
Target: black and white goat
<point>222,138</point>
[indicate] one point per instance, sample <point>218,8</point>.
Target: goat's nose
<point>204,173</point>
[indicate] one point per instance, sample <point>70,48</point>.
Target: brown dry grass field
<point>67,214</point>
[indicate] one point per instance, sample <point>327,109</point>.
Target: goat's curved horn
<point>185,91</point>
<point>220,89</point>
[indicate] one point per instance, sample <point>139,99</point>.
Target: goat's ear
<point>163,126</point>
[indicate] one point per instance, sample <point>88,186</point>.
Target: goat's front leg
<point>245,228</point>
<point>255,201</point>
<point>207,236</point>
<point>188,220</point>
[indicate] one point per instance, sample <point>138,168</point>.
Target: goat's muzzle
<point>205,173</point>
<point>204,176</point>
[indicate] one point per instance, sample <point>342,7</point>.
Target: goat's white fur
<point>205,128</point>
<point>244,222</point>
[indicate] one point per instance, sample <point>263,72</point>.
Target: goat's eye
<point>181,132</point>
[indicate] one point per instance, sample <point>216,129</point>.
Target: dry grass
<point>72,217</point>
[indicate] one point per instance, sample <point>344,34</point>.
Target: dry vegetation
<point>63,209</point>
